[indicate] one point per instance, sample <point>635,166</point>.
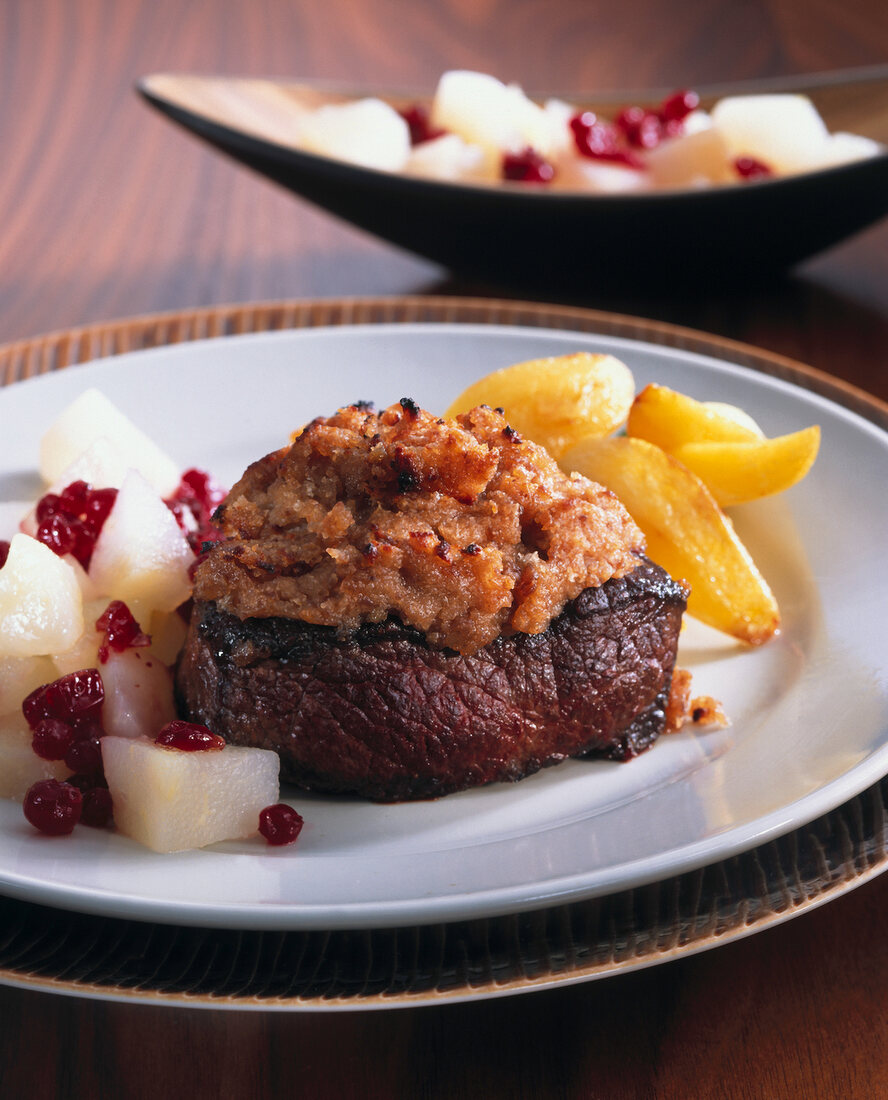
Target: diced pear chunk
<point>577,173</point>
<point>171,801</point>
<point>141,556</point>
<point>19,676</point>
<point>41,609</point>
<point>484,111</point>
<point>449,158</point>
<point>20,766</point>
<point>168,630</point>
<point>85,651</point>
<point>91,417</point>
<point>692,160</point>
<point>138,694</point>
<point>842,148</point>
<point>785,132</point>
<point>367,132</point>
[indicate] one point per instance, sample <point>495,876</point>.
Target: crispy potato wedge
<point>670,419</point>
<point>557,402</point>
<point>737,472</point>
<point>736,414</point>
<point>687,533</point>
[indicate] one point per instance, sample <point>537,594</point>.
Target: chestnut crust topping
<point>460,528</point>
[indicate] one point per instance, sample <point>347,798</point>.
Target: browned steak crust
<point>383,715</point>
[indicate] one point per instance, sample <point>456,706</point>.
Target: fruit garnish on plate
<point>480,130</point>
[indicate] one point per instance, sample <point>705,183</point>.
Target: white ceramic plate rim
<point>22,863</point>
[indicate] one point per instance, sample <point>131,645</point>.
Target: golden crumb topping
<point>459,527</point>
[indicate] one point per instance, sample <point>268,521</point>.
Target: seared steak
<point>383,715</point>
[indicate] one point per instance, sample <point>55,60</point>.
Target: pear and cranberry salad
<point>479,130</point>
<point>91,592</point>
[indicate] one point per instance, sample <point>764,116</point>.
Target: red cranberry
<point>120,629</point>
<point>280,824</point>
<point>527,167</point>
<point>52,739</point>
<point>189,737</point>
<point>97,809</point>
<point>73,498</point>
<point>98,505</point>
<point>86,782</point>
<point>53,807</point>
<point>47,507</point>
<point>421,129</point>
<point>70,522</point>
<point>4,552</point>
<point>193,504</point>
<point>677,107</point>
<point>642,129</point>
<point>601,140</point>
<point>86,726</point>
<point>85,756</point>
<point>749,168</point>
<point>70,698</point>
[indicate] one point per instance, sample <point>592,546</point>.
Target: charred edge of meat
<point>383,715</point>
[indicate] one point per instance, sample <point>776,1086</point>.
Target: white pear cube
<point>102,465</point>
<point>20,766</point>
<point>41,608</point>
<point>783,131</point>
<point>579,173</point>
<point>842,148</point>
<point>90,417</point>
<point>19,676</point>
<point>138,694</point>
<point>168,630</point>
<point>141,556</point>
<point>558,115</point>
<point>85,651</point>
<point>171,801</point>
<point>692,160</point>
<point>484,111</point>
<point>449,158</point>
<point>367,132</point>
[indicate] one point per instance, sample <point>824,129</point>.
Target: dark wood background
<point>108,211</point>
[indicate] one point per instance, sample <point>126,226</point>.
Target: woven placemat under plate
<point>54,950</point>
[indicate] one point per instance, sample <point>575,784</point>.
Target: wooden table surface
<point>108,211</point>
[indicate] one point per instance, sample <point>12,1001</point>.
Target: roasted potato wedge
<point>670,419</point>
<point>687,533</point>
<point>735,414</point>
<point>737,472</point>
<point>557,402</point>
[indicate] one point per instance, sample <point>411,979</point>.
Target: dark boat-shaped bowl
<point>515,235</point>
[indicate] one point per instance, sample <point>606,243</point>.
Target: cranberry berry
<point>97,809</point>
<point>4,552</point>
<point>120,629</point>
<point>748,168</point>
<point>527,167</point>
<point>189,737</point>
<point>53,807</point>
<point>420,125</point>
<point>280,824</point>
<point>677,107</point>
<point>70,522</point>
<point>71,698</point>
<point>600,140</point>
<point>52,739</point>
<point>193,504</point>
<point>85,756</point>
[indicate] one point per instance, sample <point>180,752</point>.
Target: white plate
<point>809,710</point>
